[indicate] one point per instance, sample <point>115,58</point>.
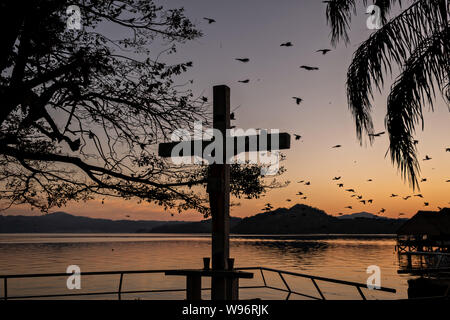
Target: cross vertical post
<point>219,194</point>
<point>224,282</point>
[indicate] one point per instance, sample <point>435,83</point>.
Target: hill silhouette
<point>62,222</point>
<point>191,227</point>
<point>360,215</point>
<point>299,219</point>
<point>303,219</point>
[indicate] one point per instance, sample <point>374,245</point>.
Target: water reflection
<point>345,259</point>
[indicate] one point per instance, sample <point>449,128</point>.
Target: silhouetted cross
<point>219,181</point>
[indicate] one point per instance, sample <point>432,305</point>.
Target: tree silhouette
<point>417,42</point>
<point>83,110</point>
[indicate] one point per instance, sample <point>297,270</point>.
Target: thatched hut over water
<point>427,231</point>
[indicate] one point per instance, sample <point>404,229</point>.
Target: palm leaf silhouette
<point>416,42</point>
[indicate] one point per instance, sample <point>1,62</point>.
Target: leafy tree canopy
<point>82,110</point>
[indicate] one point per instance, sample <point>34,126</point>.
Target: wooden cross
<point>219,185</point>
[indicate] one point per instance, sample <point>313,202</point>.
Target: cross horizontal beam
<point>250,144</point>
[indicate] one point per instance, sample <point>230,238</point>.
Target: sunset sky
<point>255,29</point>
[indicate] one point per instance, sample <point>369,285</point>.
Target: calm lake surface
<point>345,258</point>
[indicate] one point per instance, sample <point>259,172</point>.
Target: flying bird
<point>244,81</point>
<point>383,210</point>
<point>324,51</point>
<point>286,44</point>
<point>336,146</point>
<point>350,190</point>
<point>209,20</point>
<point>416,142</point>
<point>297,137</point>
<point>307,183</point>
<point>406,198</point>
<point>299,193</point>
<point>348,207</point>
<point>370,201</point>
<point>359,197</point>
<point>301,181</point>
<point>447,149</point>
<point>426,204</point>
<point>340,185</point>
<point>363,201</point>
<point>288,200</point>
<point>447,181</point>
<point>393,195</point>
<point>232,116</point>
<point>370,180</point>
<point>423,180</point>
<point>418,195</point>
<point>336,178</point>
<point>244,60</point>
<point>308,68</point>
<point>427,158</point>
<point>297,100</point>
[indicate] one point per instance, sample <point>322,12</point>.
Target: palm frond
<point>446,91</point>
<point>339,14</point>
<point>392,44</point>
<point>386,6</point>
<point>413,89</point>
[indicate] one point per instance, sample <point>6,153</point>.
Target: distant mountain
<point>61,222</point>
<point>303,219</point>
<point>360,215</point>
<point>299,219</point>
<point>191,227</point>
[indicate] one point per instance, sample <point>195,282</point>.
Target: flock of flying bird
<point>285,44</point>
<point>360,198</point>
<point>308,68</point>
<point>298,101</point>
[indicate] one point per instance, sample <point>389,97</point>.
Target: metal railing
<point>313,279</point>
<point>121,292</point>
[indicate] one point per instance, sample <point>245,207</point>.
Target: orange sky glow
<point>323,118</point>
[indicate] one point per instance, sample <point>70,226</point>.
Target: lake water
<point>345,258</point>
